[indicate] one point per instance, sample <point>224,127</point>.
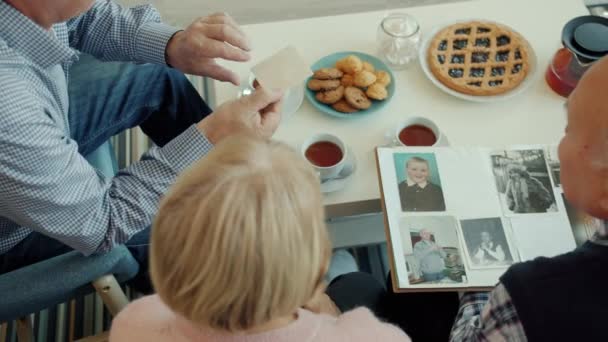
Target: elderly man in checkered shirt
<point>562,298</point>
<point>57,105</point>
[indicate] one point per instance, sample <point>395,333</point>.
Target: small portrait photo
<point>583,225</point>
<point>554,166</point>
<point>432,250</point>
<point>419,182</point>
<point>523,182</point>
<point>486,242</point>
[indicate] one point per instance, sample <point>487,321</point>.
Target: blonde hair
<point>241,238</point>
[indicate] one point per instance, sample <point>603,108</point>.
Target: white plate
<point>422,56</point>
<point>339,184</point>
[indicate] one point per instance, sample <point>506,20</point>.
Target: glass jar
<point>398,40</point>
<point>585,41</point>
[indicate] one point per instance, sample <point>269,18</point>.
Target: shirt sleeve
<point>47,186</point>
<point>487,317</point>
<point>113,33</point>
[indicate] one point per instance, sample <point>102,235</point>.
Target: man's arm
<point>47,186</point>
<point>487,317</point>
<point>113,33</point>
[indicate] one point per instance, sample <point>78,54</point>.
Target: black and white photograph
<point>486,243</point>
<point>433,252</point>
<point>583,225</point>
<point>554,166</point>
<point>419,182</point>
<point>523,182</point>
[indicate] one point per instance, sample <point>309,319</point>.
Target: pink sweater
<point>149,319</point>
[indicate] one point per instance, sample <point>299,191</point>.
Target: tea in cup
<point>418,131</point>
<point>326,153</point>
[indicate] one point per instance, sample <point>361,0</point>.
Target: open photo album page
<point>459,217</point>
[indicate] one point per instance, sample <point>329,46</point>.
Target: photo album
<point>457,218</point>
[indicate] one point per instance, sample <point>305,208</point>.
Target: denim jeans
<point>106,99</point>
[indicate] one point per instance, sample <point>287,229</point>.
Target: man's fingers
<point>220,73</point>
<point>227,33</point>
<point>261,98</point>
<point>272,108</point>
<point>223,18</point>
<point>211,48</point>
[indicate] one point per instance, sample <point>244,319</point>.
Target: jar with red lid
<point>585,41</point>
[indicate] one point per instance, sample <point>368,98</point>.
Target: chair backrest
<point>59,279</point>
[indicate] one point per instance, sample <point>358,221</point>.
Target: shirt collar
<point>31,40</point>
<point>412,183</point>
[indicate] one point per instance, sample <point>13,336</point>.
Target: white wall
<point>182,12</point>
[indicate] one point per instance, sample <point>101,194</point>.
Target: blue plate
<point>330,62</point>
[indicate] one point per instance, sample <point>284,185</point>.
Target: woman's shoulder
<point>361,325</point>
<point>147,318</point>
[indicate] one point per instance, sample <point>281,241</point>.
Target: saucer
<point>339,184</point>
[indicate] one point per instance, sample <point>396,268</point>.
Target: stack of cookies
<point>350,86</point>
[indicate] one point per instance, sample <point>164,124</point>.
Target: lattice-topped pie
<point>479,58</point>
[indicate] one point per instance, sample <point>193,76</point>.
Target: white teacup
<point>440,138</point>
<point>324,157</point>
<point>292,99</point>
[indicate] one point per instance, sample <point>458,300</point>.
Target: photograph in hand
<point>432,250</point>
<point>486,243</point>
<point>523,182</point>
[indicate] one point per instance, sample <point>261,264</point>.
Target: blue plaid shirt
<point>45,184</point>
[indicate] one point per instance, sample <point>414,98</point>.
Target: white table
<point>534,117</point>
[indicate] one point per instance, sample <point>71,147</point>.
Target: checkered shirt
<point>492,316</point>
<point>487,317</point>
<point>45,184</point>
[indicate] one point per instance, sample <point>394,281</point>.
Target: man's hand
<point>194,50</point>
<point>258,114</point>
<point>321,303</point>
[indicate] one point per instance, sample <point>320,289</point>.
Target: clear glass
<point>398,40</point>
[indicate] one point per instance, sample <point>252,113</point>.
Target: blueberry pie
<point>479,58</point>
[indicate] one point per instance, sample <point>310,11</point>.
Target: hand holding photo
<point>283,70</point>
<point>419,182</point>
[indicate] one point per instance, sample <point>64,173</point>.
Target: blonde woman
<point>239,252</point>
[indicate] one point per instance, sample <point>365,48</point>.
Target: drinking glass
<point>398,40</point>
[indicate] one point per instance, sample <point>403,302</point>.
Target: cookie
<point>383,77</point>
<point>377,92</point>
<point>343,107</point>
<point>367,66</point>
<point>357,98</point>
<point>348,80</point>
<point>330,96</point>
<point>317,85</point>
<point>350,65</point>
<point>327,74</point>
<point>364,79</point>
